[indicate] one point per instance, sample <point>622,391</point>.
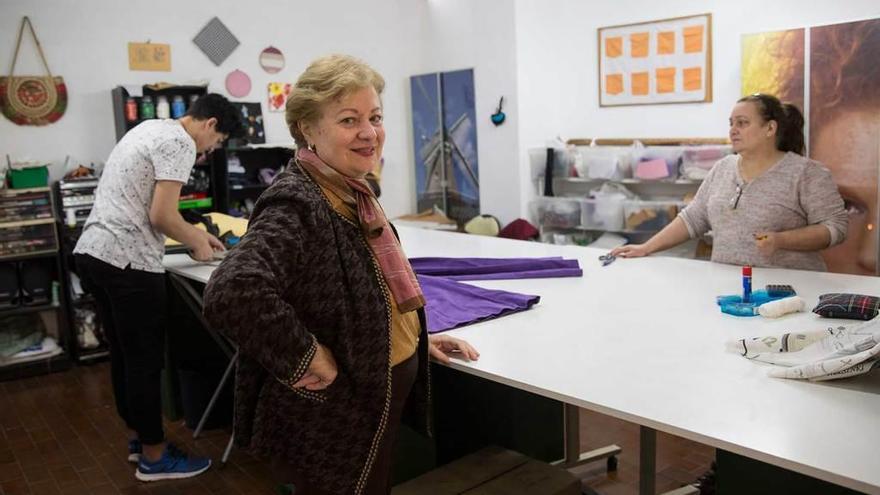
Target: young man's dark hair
<point>217,106</point>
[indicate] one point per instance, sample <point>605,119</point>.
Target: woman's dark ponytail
<point>790,135</point>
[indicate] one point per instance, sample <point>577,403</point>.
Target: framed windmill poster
<point>665,61</point>
<point>445,143</point>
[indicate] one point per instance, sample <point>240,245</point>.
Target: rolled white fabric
<point>775,309</point>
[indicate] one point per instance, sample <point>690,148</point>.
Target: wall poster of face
<point>841,96</point>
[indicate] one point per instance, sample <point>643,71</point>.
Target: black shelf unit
<point>73,200</point>
<point>207,170</point>
<point>121,95</point>
<point>28,272</point>
<point>246,184</point>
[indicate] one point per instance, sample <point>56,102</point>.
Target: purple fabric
<point>452,304</point>
<point>496,268</point>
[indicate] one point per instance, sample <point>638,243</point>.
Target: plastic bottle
<point>178,107</point>
<point>747,283</point>
<point>131,110</point>
<point>148,110</point>
<point>163,109</point>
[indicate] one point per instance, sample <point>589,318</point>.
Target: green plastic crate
<point>26,178</point>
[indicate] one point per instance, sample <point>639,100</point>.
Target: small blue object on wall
<point>498,117</point>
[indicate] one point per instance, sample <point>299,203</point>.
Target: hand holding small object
<point>766,243</point>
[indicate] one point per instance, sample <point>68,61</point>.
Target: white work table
<point>642,340</point>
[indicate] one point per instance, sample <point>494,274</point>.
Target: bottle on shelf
<point>148,110</point>
<point>178,107</point>
<point>131,110</point>
<point>163,109</point>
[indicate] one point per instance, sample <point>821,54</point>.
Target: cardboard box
<point>493,471</point>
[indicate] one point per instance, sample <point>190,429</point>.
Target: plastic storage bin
<point>602,213</point>
<point>563,162</point>
<point>26,177</point>
<point>557,212</point>
<point>649,216</point>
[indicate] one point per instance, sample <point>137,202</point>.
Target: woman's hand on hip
<point>321,372</point>
<point>441,345</point>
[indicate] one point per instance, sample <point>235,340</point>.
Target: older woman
<point>767,205</point>
<point>322,302</point>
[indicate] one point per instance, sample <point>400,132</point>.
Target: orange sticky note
<point>613,47</point>
<point>614,84</point>
<point>665,79</point>
<point>693,39</point>
<point>639,83</point>
<point>693,78</point>
<point>638,45</point>
<point>665,42</point>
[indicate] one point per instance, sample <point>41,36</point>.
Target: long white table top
<point>643,340</point>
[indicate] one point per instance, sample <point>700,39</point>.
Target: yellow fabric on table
<point>224,222</point>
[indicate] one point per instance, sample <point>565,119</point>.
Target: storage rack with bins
<point>570,214</point>
<point>74,199</point>
<point>30,272</point>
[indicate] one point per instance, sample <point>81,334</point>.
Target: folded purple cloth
<point>496,268</point>
<point>451,304</point>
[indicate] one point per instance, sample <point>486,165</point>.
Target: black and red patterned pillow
<point>850,306</point>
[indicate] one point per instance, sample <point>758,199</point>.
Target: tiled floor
<point>59,434</point>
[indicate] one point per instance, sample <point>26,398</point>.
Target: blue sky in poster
<point>458,100</point>
<point>425,93</point>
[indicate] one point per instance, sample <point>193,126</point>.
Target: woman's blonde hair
<point>326,79</point>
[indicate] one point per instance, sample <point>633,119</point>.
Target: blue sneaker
<point>174,464</point>
<point>135,449</point>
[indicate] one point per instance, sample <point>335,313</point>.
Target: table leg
<point>647,460</point>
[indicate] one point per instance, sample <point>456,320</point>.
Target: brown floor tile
<point>15,487</point>
<point>45,487</point>
<point>41,434</point>
<point>61,434</point>
<point>10,471</point>
<point>38,473</point>
<point>65,476</point>
<point>29,457</point>
<point>94,477</point>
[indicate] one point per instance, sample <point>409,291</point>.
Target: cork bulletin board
<point>664,61</point>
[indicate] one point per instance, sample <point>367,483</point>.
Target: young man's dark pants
<point>131,306</point>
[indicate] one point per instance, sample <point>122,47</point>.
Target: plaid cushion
<point>850,306</point>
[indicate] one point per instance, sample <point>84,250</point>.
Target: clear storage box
<point>649,216</point>
<point>557,212</point>
<point>602,213</point>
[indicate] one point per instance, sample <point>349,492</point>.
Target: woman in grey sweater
<point>767,205</point>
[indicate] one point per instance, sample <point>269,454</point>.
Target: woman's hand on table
<point>441,346</point>
<point>630,251</point>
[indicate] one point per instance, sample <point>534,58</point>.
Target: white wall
<point>557,64</point>
<point>541,56</point>
<point>462,34</point>
<point>86,42</point>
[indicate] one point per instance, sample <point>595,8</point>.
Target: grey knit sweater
<point>793,193</point>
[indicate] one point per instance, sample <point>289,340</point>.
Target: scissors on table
<point>607,259</point>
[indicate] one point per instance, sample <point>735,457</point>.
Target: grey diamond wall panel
<point>216,41</point>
